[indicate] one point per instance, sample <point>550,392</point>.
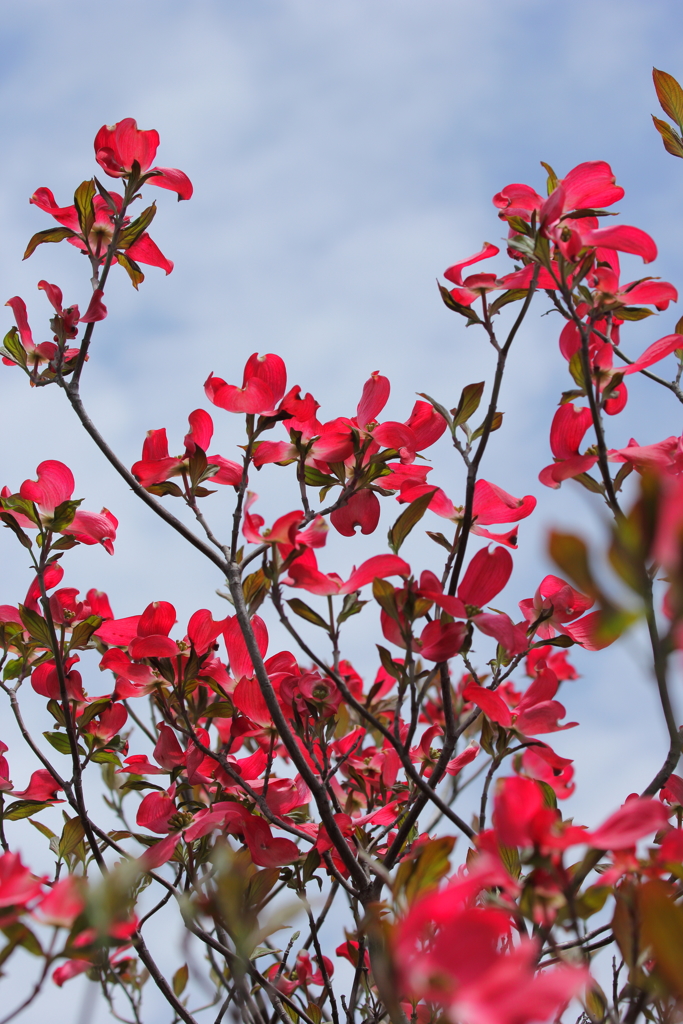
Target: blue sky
<point>343,155</point>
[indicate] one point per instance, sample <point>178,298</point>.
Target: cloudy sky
<point>343,155</point>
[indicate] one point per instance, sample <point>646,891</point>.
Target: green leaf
<point>672,141</point>
<point>301,609</point>
<point>35,625</point>
<point>63,515</point>
<point>12,347</point>
<point>625,471</point>
<point>439,408</point>
<point>632,312</point>
<point>469,403</point>
<point>552,177</point>
<point>164,488</point>
<point>96,708</point>
<point>72,833</point>
<point>571,555</point>
<point>10,522</point>
<point>314,478</point>
<point>82,633</point>
<point>662,924</point>
<point>57,712</point>
<point>351,606</point>
<point>197,465</point>
<point>105,757</point>
<point>556,641</point>
<point>669,94</point>
<point>47,832</point>
<point>457,307</point>
<point>408,519</point>
<point>13,669</point>
<point>133,231</point>
<point>51,235</point>
<point>24,809</point>
<point>132,269</point>
<point>576,370</point>
<point>587,481</point>
<point>23,936</point>
<point>424,871</point>
<point>439,538</point>
<point>311,865</point>
<point>108,198</point>
<point>496,423</point>
<point>15,503</point>
<point>220,709</point>
<point>255,588</point>
<point>180,980</point>
<point>514,295</point>
<point>59,740</point>
<point>83,201</point>
<point>385,596</point>
<point>392,667</point>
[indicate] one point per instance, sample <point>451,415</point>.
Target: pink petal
<point>653,353</point>
<point>174,180</point>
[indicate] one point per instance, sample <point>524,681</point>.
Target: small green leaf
<point>51,235</point>
<point>587,481</point>
<point>301,609</point>
<point>13,348</point>
<point>439,408</point>
<point>496,423</point>
<point>24,809</point>
<point>105,757</point>
<point>469,403</point>
<point>220,709</point>
<point>314,478</point>
<point>35,625</point>
<point>571,555</point>
<point>514,295</point>
<point>72,833</point>
<point>552,177</point>
<point>632,312</point>
<point>10,522</point>
<point>63,515</point>
<point>662,924</point>
<point>408,519</point>
<point>439,538</point>
<point>180,980</point>
<point>457,307</point>
<point>556,641</point>
<point>388,663</point>
<point>672,140</point>
<point>132,269</point>
<point>82,633</point>
<point>133,231</point>
<point>58,740</point>
<point>164,488</point>
<point>669,94</point>
<point>47,832</point>
<point>83,201</point>
<point>351,606</point>
<point>15,503</point>
<point>92,710</point>
<point>385,596</point>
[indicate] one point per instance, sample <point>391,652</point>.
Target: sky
<point>343,155</point>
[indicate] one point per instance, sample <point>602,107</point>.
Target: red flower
<point>263,386</point>
<point>142,250</point>
<point>55,485</point>
<point>119,146</point>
